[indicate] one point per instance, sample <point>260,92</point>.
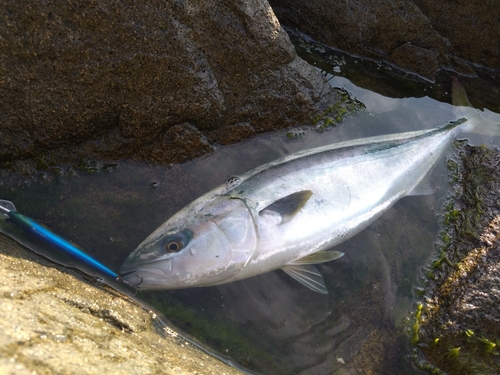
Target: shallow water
<point>268,324</point>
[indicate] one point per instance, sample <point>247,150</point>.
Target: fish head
<point>199,247</point>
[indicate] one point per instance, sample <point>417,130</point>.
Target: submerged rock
<point>114,79</point>
<point>53,322</point>
<point>457,325</point>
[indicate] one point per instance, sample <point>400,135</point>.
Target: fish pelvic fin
<point>288,206</point>
<point>308,276</point>
<point>318,257</point>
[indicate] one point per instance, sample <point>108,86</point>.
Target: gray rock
<point>111,79</point>
<point>420,60</point>
<point>448,31</point>
<point>470,26</point>
<point>52,322</point>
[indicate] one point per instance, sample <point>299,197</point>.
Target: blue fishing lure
<point>46,236</point>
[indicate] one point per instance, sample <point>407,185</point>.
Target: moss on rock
<point>457,323</point>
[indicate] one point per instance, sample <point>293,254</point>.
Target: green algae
<point>337,112</point>
<point>415,338</point>
<point>223,334</point>
<point>293,134</point>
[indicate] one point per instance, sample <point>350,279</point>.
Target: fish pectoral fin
<point>319,257</point>
<point>308,276</point>
<point>288,206</point>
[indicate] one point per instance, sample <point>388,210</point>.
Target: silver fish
<point>289,213</point>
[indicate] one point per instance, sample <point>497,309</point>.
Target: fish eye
<point>173,247</point>
<point>176,242</point>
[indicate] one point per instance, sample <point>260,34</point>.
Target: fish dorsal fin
<point>318,257</point>
<point>308,276</point>
<point>288,206</point>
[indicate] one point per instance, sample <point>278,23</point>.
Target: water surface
<point>268,324</point>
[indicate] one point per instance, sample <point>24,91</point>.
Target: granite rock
<point>448,33</point>
<point>110,79</point>
<point>57,322</point>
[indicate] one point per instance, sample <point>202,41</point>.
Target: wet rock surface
<point>445,33</point>
<point>457,326</point>
<point>146,80</point>
<point>54,322</point>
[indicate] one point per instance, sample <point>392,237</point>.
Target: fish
<point>289,214</point>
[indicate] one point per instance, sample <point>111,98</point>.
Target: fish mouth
<point>146,275</point>
<point>132,278</point>
<point>143,277</point>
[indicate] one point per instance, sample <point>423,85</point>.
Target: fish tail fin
<point>478,122</point>
<point>485,123</point>
<point>458,94</point>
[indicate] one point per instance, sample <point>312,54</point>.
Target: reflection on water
<point>268,324</point>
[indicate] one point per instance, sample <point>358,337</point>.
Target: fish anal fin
<point>288,206</point>
<point>308,276</point>
<point>424,187</point>
<point>318,257</point>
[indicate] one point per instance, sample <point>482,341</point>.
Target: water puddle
<point>268,324</point>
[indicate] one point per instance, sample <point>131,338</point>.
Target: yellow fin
<point>319,257</point>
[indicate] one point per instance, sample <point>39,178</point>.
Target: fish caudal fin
<point>477,121</point>
<point>308,276</point>
<point>480,124</point>
<point>458,94</point>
